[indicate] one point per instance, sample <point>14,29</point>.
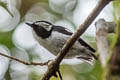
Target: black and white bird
<point>53,37</point>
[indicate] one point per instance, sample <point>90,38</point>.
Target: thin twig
<point>59,73</point>
<point>24,62</point>
<point>73,38</point>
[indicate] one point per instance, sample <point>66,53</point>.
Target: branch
<point>53,66</point>
<point>110,62</point>
<point>26,63</point>
<point>102,30</point>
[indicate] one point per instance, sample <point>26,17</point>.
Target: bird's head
<point>41,25</point>
<point>41,28</point>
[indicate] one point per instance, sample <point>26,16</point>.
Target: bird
<point>52,37</point>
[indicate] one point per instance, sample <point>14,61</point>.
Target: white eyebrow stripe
<point>41,24</point>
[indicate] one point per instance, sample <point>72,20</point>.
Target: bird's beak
<point>29,24</point>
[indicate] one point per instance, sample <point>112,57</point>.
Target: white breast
<point>53,43</point>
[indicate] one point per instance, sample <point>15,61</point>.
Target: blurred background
<point>16,37</point>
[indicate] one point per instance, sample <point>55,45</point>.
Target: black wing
<point>86,45</point>
<point>64,30</point>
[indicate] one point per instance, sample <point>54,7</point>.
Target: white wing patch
<point>68,30</point>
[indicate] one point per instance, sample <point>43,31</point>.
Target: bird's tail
<point>88,58</point>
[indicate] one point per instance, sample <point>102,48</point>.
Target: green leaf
<point>116,6</point>
<point>6,39</point>
<point>4,5</point>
